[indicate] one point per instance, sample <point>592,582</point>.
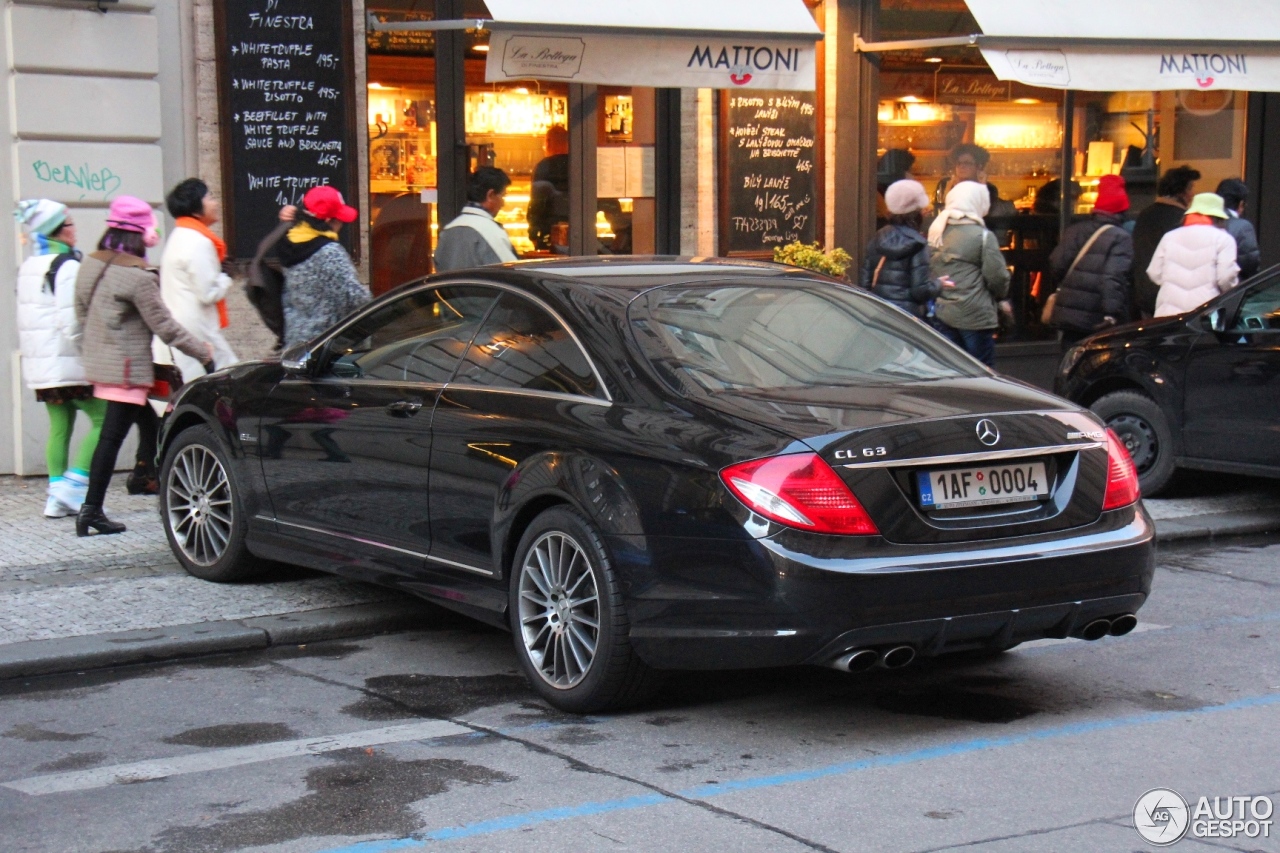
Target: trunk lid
<point>879,439</point>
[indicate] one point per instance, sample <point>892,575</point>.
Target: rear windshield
<point>722,337</point>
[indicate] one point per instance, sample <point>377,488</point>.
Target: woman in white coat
<point>192,282</point>
<point>1196,262</point>
<point>49,338</point>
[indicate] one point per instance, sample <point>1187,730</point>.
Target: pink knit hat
<point>133,214</point>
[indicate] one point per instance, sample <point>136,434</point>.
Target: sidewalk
<point>69,604</point>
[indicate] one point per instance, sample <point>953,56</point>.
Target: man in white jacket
<point>192,282</point>
<point>1196,262</point>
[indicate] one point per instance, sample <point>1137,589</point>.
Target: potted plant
<point>813,257</point>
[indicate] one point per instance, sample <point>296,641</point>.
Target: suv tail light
<point>800,491</point>
<point>1122,477</point>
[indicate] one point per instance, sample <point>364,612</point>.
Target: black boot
<point>91,516</point>
<point>142,480</point>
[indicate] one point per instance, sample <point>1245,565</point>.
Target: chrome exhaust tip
<point>1122,625</point>
<point>898,657</point>
<point>859,660</point>
<point>1096,630</point>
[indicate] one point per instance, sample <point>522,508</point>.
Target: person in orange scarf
<point>192,282</point>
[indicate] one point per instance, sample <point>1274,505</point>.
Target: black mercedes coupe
<point>647,464</point>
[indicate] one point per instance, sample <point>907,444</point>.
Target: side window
<point>1260,310</point>
<point>417,338</point>
<point>522,346</point>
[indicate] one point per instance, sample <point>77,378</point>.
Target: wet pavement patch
<point>233,734</point>
<point>954,703</point>
<point>363,792</point>
<point>580,736</point>
<point>377,710</point>
<point>532,713</point>
<point>449,695</point>
<point>35,734</point>
<point>324,651</point>
<point>74,761</point>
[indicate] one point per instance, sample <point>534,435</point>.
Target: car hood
<point>819,415</point>
<point>1153,329</point>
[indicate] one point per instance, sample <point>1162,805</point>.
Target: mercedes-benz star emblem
<point>988,432</point>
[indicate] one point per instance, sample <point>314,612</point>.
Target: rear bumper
<point>798,599</point>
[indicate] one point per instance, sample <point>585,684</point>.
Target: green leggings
<point>62,422</point>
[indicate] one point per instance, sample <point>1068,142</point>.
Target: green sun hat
<point>1209,204</point>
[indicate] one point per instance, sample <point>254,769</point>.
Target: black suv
<point>1199,390</point>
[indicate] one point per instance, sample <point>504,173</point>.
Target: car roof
<point>637,273</point>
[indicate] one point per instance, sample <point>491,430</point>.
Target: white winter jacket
<point>191,283</point>
<point>47,330</point>
<point>1192,265</point>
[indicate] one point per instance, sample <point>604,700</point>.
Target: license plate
<point>993,484</point>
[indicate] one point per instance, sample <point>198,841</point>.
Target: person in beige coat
<point>1196,262</point>
<point>119,308</point>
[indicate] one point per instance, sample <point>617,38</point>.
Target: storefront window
<point>523,130</point>
<point>934,103</point>
<point>403,145</point>
<point>626,134</point>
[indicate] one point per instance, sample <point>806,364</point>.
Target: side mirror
<point>1217,319</point>
<point>296,359</point>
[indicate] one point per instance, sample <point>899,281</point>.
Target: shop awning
<point>720,44</point>
<point>1119,45</point>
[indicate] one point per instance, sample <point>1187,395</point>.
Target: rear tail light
<point>801,491</point>
<point>1122,477</point>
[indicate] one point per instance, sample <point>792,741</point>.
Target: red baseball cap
<point>327,203</point>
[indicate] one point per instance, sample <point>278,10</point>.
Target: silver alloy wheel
<point>559,609</point>
<point>199,505</point>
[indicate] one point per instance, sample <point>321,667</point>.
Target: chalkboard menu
<point>769,196</point>
<point>285,91</point>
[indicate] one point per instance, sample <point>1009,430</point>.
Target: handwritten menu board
<point>285,92</point>
<point>771,190</point>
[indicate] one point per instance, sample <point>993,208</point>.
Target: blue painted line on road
<point>503,824</point>
<point>526,819</point>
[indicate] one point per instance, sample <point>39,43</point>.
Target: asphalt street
<point>431,740</point>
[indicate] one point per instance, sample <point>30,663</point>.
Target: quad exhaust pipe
<point>1116,626</point>
<point>861,660</point>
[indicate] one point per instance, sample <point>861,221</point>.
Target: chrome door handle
<point>405,408</point>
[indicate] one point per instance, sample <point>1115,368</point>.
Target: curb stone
<point>1213,525</point>
<point>72,654</point>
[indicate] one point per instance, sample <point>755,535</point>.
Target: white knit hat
<point>905,196</point>
<point>41,216</point>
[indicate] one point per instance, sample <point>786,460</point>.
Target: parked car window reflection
<point>734,337</point>
<point>417,338</point>
<point>1260,310</point>
<point>522,346</point>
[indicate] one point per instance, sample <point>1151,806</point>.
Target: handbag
<point>1046,315</point>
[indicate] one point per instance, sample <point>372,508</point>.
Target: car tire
<point>568,620</point>
<point>201,509</point>
<point>1144,430</point>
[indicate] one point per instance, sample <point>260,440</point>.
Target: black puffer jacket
<point>904,279</point>
<point>1099,285</point>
